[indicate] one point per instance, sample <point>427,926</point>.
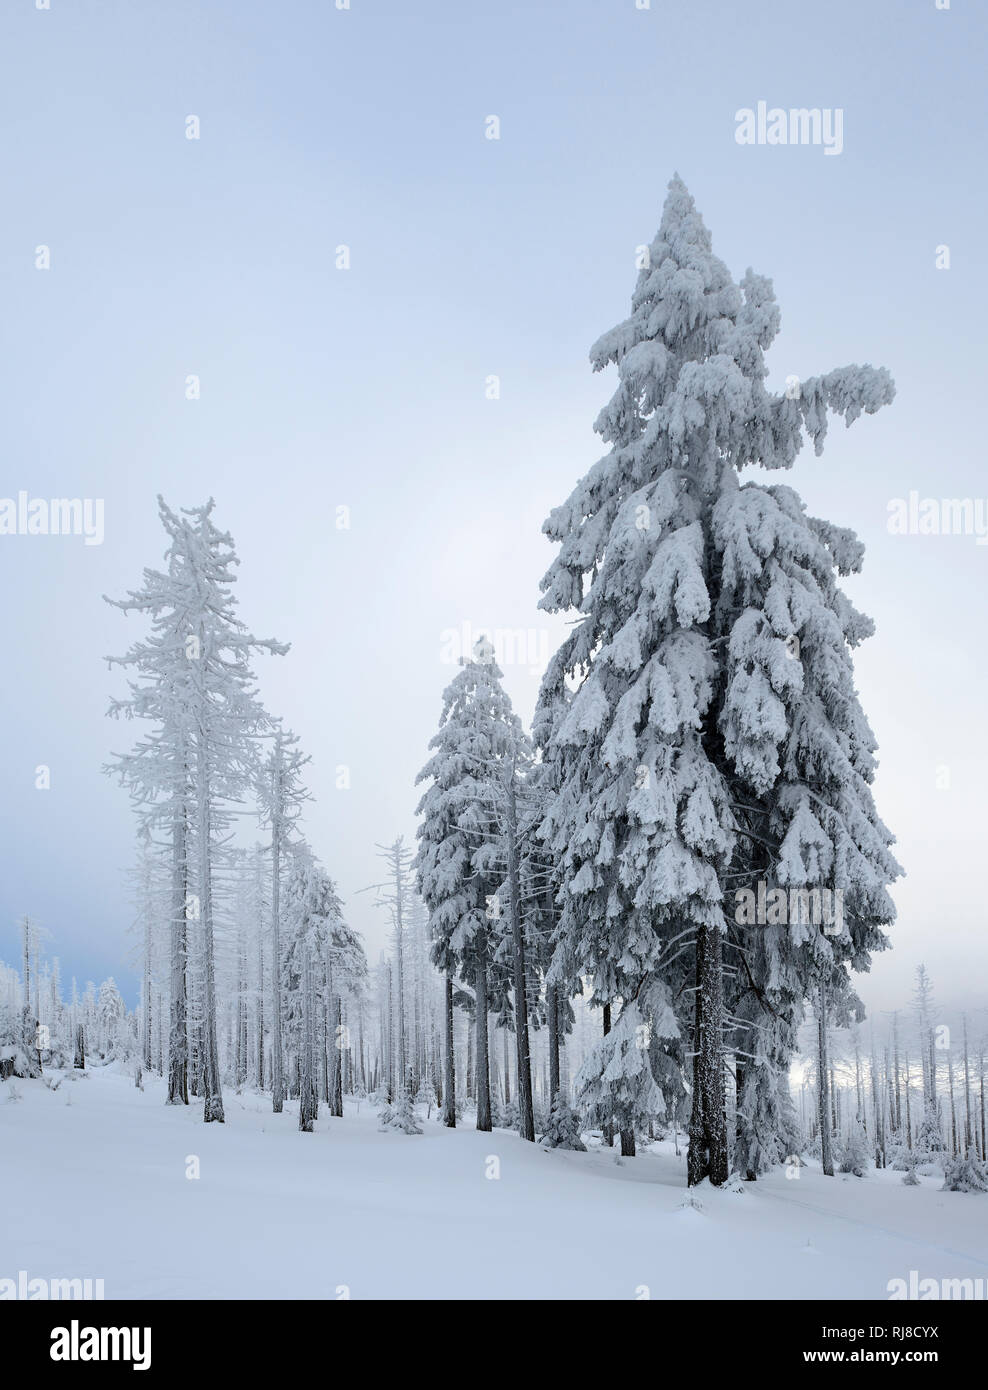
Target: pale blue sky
<point>365,388</point>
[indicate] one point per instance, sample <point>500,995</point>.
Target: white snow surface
<point>95,1186</point>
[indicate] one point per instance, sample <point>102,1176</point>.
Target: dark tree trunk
<point>483,1072</point>
<point>213,1093</point>
<point>308,1105</point>
<point>178,1036</point>
<point>336,1102</point>
<point>552,1009</point>
<point>449,1081</point>
<point>707,1156</point>
<point>526,1115</point>
<point>609,1124</point>
<point>277,1053</point>
<point>826,1152</point>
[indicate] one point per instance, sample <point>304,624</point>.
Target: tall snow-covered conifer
<point>715,739</point>
<point>195,686</point>
<point>462,853</point>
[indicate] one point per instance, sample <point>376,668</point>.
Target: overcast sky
<point>366,388</point>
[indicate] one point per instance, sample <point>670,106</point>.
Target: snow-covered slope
<point>95,1181</point>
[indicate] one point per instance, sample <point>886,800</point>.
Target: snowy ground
<point>99,1173</point>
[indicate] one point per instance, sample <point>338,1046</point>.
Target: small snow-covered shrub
<point>509,1115</point>
<point>563,1129</point>
<point>14,1062</point>
<point>930,1145</point>
<point>854,1155</point>
<point>400,1115</point>
<point>965,1174</point>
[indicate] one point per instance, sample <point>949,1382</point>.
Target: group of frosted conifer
<point>567,953</point>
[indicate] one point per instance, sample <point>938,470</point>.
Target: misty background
<point>367,388</point>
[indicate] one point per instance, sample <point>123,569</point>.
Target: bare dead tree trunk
<point>909,1118</point>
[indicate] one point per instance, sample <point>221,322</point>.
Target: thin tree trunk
<point>969,1138</point>
<point>308,1105</point>
<point>909,1118</point>
<point>483,1075</point>
<point>213,1102</point>
<point>526,1114</point>
<point>609,1122</point>
<point>146,1019</point>
<point>336,1104</point>
<point>826,1151</point>
<point>449,1081</point>
<point>552,1009</point>
<point>277,1055</point>
<point>178,1036</point>
<point>259,1003</point>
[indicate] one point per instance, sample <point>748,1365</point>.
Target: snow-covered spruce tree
<point>929,1145</point>
<point>426,1097</point>
<point>346,977</point>
<point>615,1084</point>
<point>323,959</point>
<point>280,796</point>
<point>855,1155</point>
<point>304,942</point>
<point>110,1013</point>
<point>401,1114</point>
<point>715,738</point>
<point>562,1130</point>
<point>157,770</point>
<point>195,684</point>
<point>462,853</point>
